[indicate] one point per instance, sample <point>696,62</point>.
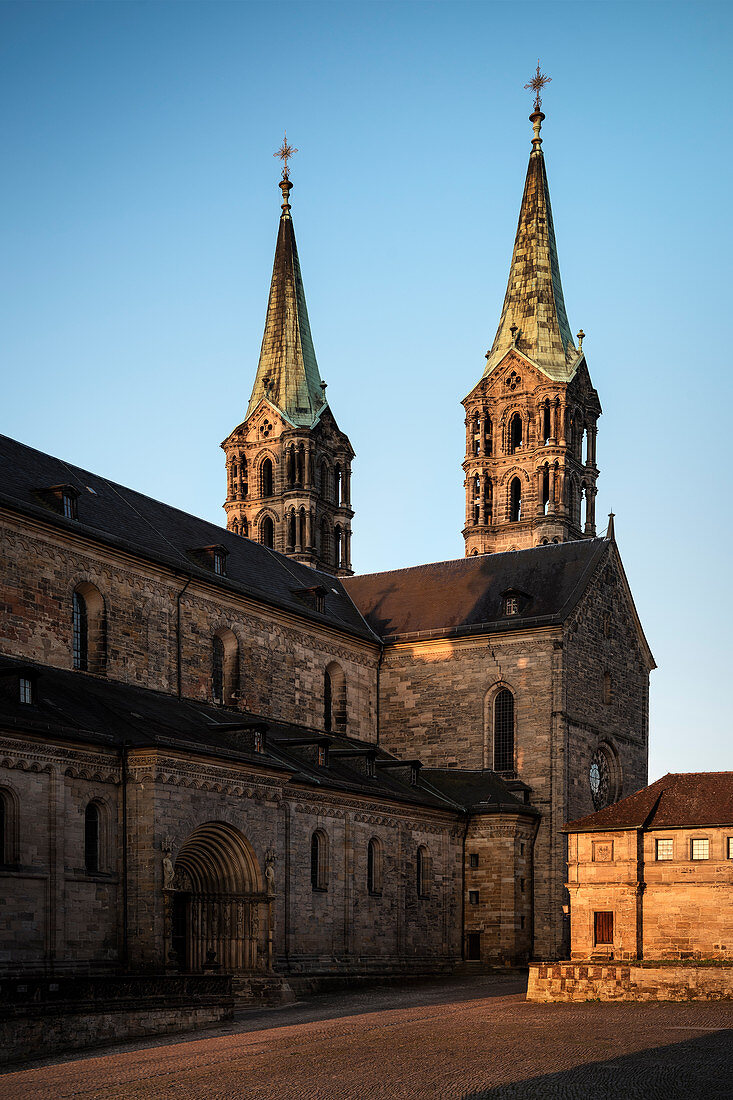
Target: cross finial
<point>285,153</point>
<point>536,84</point>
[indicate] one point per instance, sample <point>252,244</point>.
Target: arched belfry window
<point>374,866</point>
<point>319,860</point>
<point>515,433</point>
<point>515,501</point>
<point>504,731</point>
<point>266,478</point>
<point>267,532</point>
<point>92,838</point>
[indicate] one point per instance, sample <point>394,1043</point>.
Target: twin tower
<point>531,421</point>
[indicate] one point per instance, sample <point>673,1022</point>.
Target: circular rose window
<point>600,779</point>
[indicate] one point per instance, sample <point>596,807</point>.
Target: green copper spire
<point>534,305</point>
<point>287,374</point>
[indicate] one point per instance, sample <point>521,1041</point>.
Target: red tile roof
<point>678,798</point>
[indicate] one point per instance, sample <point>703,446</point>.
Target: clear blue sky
<point>139,207</point>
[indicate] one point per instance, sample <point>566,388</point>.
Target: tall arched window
<point>266,478</point>
<point>217,670</point>
<point>423,872</point>
<point>374,866</point>
<point>80,632</point>
<point>319,860</point>
<point>515,433</point>
<point>546,422</point>
<point>267,529</point>
<point>325,542</point>
<point>224,666</point>
<point>324,480</point>
<point>515,501</point>
<point>92,838</point>
<point>291,530</point>
<point>545,489</point>
<point>8,827</point>
<point>334,698</point>
<point>89,629</point>
<point>504,731</point>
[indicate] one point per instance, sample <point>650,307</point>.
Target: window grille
<point>91,838</point>
<point>603,926</point>
<point>504,731</point>
<point>80,632</point>
<point>700,848</point>
<point>665,849</point>
<point>26,690</point>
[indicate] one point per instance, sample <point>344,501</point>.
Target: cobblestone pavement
<point>472,1038</point>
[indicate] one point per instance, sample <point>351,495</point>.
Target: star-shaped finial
<point>285,152</point>
<point>536,84</point>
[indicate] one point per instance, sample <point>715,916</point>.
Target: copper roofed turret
<point>534,300</point>
<point>287,373</point>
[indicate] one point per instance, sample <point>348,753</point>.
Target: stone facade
<point>661,908</point>
<point>568,982</point>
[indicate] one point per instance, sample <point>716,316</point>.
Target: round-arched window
<point>599,777</point>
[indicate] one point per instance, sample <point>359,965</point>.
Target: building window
<point>730,847</point>
<point>334,698</point>
<point>266,476</point>
<point>603,928</point>
<point>258,741</point>
<point>521,885</point>
<point>267,529</point>
<point>8,827</point>
<point>504,731</point>
<point>217,670</point>
<point>423,872</point>
<point>599,778</point>
<point>700,848</point>
<point>665,849</point>
<point>68,505</point>
<point>473,897</point>
<point>607,688</point>
<point>473,860</point>
<point>473,946</point>
<point>80,632</point>
<point>374,866</point>
<point>219,563</point>
<point>515,501</point>
<point>511,605</point>
<point>26,690</point>
<point>91,838</point>
<point>319,860</point>
<point>322,756</point>
<point>515,434</point>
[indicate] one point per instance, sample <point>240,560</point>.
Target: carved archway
<point>219,909</point>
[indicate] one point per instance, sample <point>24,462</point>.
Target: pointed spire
<point>534,300</point>
<point>611,529</point>
<point>287,373</point>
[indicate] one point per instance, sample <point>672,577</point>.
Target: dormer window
<point>511,605</point>
<point>314,597</point>
<point>26,690</point>
<point>60,498</point>
<point>68,504</point>
<point>259,741</point>
<point>322,756</point>
<point>211,557</point>
<point>220,563</point>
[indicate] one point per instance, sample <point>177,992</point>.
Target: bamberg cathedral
<point>220,750</point>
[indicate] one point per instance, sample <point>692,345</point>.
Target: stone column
<point>590,510</point>
<point>481,434</point>
<point>540,483</point>
<point>347,485</point>
<point>468,433</point>
<point>592,436</point>
<point>309,529</point>
<point>347,548</point>
<point>469,492</point>
<point>552,506</point>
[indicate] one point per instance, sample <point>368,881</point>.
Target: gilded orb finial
<point>536,85</point>
<point>285,153</point>
<point>581,338</point>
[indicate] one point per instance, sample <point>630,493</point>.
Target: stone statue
<point>270,872</point>
<point>168,871</point>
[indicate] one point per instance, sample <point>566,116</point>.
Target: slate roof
<point>534,299</point>
<point>287,373</point>
<point>125,519</point>
<point>466,595</point>
<point>91,710</point>
<point>477,791</point>
<point>675,800</point>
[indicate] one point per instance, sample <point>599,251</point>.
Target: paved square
<point>464,1038</point>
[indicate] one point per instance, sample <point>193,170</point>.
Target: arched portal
<point>219,907</point>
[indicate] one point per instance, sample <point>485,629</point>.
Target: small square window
<point>700,848</point>
<point>26,690</point>
<point>473,859</point>
<point>665,849</point>
<point>473,897</point>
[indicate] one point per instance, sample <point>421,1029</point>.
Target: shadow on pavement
<point>693,1070</point>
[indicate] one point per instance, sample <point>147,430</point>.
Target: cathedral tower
<point>530,463</point>
<point>288,465</point>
